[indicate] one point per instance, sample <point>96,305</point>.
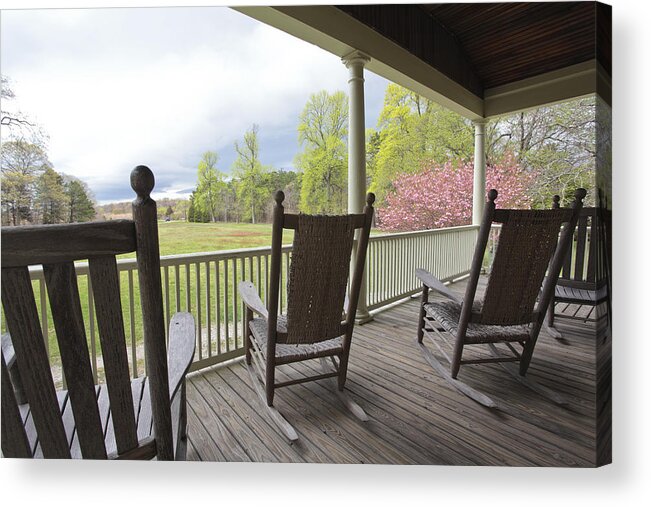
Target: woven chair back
<point>318,275</point>
<point>525,247</point>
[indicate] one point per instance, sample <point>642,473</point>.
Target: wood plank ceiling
<point>482,46</point>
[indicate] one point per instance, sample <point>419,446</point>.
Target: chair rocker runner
<point>314,326</point>
<point>124,418</point>
<point>529,256</point>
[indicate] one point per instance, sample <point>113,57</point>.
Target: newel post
<point>151,299</point>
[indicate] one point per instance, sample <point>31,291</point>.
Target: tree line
<point>32,191</point>
<point>551,150</point>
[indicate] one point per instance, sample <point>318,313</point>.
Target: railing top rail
<point>425,232</point>
<point>198,257</point>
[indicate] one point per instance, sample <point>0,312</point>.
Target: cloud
<point>119,87</point>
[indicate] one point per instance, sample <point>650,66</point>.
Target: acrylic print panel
<point>426,106</point>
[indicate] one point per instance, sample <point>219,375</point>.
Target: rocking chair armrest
<point>181,348</point>
<point>251,299</point>
<point>434,283</point>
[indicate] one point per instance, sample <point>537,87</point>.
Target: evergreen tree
<point>51,198</point>
<point>80,206</point>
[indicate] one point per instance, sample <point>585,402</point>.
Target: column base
<point>363,318</point>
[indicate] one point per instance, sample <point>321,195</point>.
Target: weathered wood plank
<point>108,309</point>
<point>25,329</point>
<point>63,293</point>
<point>14,439</point>
<point>42,244</point>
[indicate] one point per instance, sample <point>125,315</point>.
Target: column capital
<point>355,57</point>
<point>480,121</point>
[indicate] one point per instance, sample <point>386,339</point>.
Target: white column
<point>355,63</point>
<point>479,179</point>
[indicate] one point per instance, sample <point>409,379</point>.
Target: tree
<point>81,207</point>
<point>210,182</point>
<point>558,142</point>
<point>252,190</point>
<point>11,119</point>
<point>50,200</point>
<point>441,195</point>
<point>322,132</point>
<point>413,131</point>
<point>21,162</point>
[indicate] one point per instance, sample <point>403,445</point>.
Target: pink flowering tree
<point>441,196</point>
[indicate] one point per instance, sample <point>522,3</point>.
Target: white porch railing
<point>205,284</point>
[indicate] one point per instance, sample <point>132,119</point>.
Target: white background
<point>626,482</point>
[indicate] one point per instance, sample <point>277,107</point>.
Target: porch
<point>416,417</point>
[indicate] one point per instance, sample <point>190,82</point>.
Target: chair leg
<point>247,336</point>
<point>278,419</point>
<point>549,322</point>
<point>421,316</point>
<point>455,363</point>
<point>343,370</point>
<point>348,402</point>
<point>270,381</point>
<point>460,386</point>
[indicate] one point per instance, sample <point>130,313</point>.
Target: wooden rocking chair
<point>582,281</point>
<point>529,256</point>
<point>123,419</point>
<point>314,327</point>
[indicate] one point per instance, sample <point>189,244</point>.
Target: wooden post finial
<point>556,202</point>
<point>370,198</point>
<point>142,182</point>
<point>279,197</point>
<point>492,195</point>
<point>580,193</point>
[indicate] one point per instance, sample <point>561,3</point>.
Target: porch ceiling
<point>480,60</point>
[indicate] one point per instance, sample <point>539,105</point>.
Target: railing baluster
<point>218,309</point>
<point>227,319</point>
<point>44,322</point>
<point>235,302</point>
<point>177,278</point>
<point>132,325</point>
<point>91,324</point>
<point>188,304</point>
<point>166,274</point>
<point>197,279</point>
<point>208,320</point>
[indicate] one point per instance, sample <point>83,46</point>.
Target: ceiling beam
<point>549,88</point>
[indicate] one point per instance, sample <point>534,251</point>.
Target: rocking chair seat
<point>447,314</point>
<point>286,352</point>
<point>580,295</point>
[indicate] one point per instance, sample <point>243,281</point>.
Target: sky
<point>118,87</point>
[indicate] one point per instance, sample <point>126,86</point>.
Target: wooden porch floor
<point>415,416</point>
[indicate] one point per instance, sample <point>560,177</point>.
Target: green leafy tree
<point>251,175</point>
<point>412,132</point>
<point>210,182</point>
<point>80,205</point>
<point>22,162</point>
<point>51,199</point>
<point>557,142</point>
<point>322,132</point>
